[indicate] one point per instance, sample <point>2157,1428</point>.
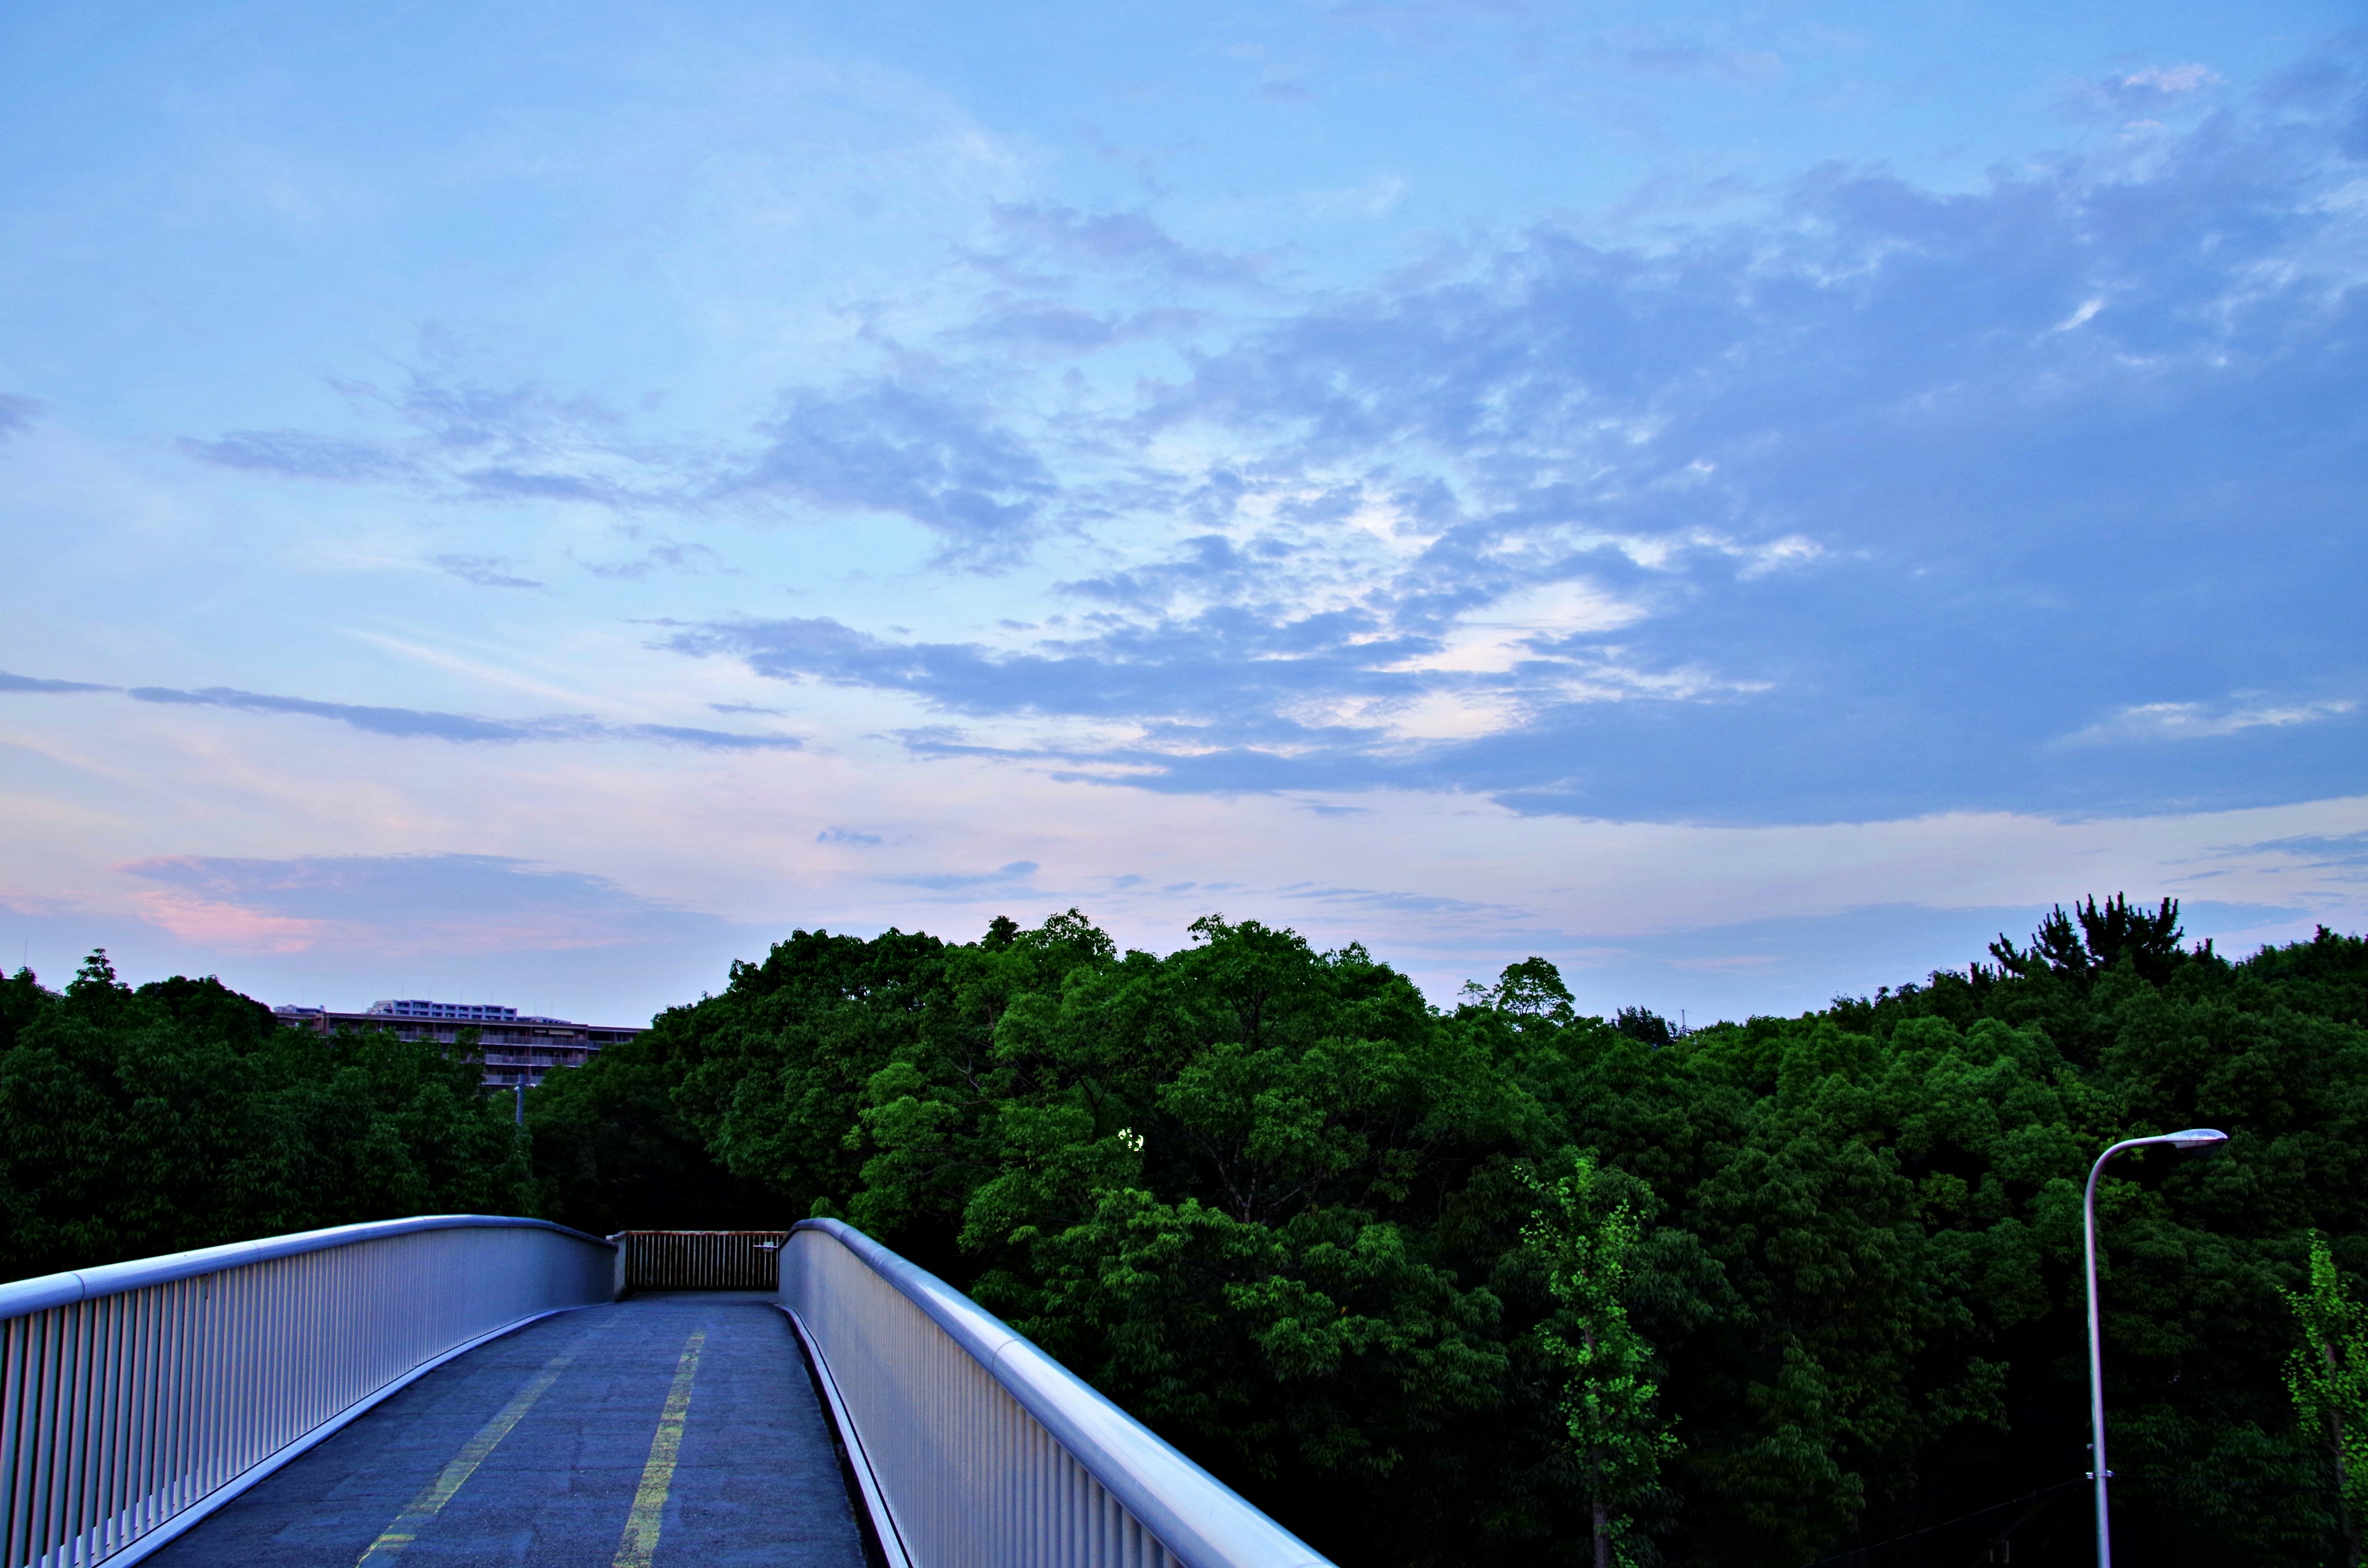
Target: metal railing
<point>701,1260</point>
<point>973,1448</point>
<point>136,1397</point>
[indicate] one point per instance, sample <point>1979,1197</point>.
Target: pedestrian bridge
<point>465,1389</point>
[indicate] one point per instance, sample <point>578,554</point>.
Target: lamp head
<point>2198,1139</point>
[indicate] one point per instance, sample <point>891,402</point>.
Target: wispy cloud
<point>301,455</point>
<point>456,437</point>
<point>1400,903</point>
<point>398,904</point>
<point>2151,89</point>
<point>893,447</point>
<point>17,413</point>
<point>2208,720</point>
<point>31,683</point>
<point>958,882</point>
<point>2171,78</point>
<point>1047,234</point>
<point>706,740</point>
<point>2343,849</point>
<point>1858,506</point>
<point>485,570</point>
<point>409,724</point>
<point>417,723</point>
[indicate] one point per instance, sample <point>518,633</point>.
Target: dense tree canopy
<point>1273,1202</point>
<point>1297,1218</point>
<point>181,1115</point>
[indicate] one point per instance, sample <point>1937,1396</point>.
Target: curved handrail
<point>43,1291</point>
<point>1199,1520</point>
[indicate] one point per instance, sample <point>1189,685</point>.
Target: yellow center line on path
<point>450,1480</point>
<point>640,1542</point>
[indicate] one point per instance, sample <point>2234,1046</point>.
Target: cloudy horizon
<point>532,507</point>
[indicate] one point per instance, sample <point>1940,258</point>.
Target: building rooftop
<point>473,1012</point>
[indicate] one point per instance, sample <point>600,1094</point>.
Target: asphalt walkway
<point>661,1431</point>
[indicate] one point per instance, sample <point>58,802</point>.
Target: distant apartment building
<point>517,1050</point>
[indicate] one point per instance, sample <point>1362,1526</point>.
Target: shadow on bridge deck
<point>660,1430</point>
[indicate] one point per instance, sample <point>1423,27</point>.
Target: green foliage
<point>181,1115</point>
<point>1585,1241</point>
<point>1274,1203</point>
<point>2327,1377</point>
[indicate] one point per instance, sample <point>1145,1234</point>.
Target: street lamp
<point>2203,1139</point>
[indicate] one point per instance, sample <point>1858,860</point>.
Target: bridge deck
<point>661,1430</point>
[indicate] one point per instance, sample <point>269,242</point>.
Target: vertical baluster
<point>108,1429</point>
<point>19,1382</point>
<point>57,1422</point>
<point>142,1475</point>
<point>89,1392</point>
<point>38,1450</point>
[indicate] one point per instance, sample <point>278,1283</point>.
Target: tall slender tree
<point>1583,1236</point>
<point>2329,1377</point>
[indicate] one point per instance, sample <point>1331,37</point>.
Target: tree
<point>2328,1378</point>
<point>1271,1201</point>
<point>2106,934</point>
<point>1585,1239</point>
<point>180,1114</point>
<point>1645,1025</point>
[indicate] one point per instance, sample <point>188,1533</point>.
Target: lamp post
<point>2195,1138</point>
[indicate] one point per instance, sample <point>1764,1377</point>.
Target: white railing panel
<point>134,1395</point>
<point>985,1452</point>
<point>700,1260</point>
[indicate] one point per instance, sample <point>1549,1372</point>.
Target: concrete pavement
<point>661,1430</point>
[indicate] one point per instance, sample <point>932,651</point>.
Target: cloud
<point>1400,903</point>
<point>1881,532</point>
<point>956,881</point>
<point>404,722</point>
<point>414,723</point>
<point>399,903</point>
<point>1854,508</point>
<point>30,683</point>
<point>2316,851</point>
<point>708,740</point>
<point>664,557</point>
<point>2136,97</point>
<point>893,447</point>
<point>1048,231</point>
<point>485,570</point>
<point>845,836</point>
<point>2202,720</point>
<point>1057,329</point>
<point>1209,563</point>
<point>18,413</point>
<point>1225,672</point>
<point>2171,78</point>
<point>463,439</point>
<point>896,445</point>
<point>301,455</point>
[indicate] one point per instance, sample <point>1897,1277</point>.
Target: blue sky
<point>527,504</point>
